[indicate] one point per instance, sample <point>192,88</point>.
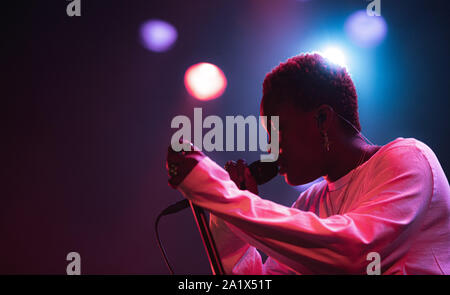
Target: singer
<point>391,201</point>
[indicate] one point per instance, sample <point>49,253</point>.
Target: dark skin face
<point>303,156</point>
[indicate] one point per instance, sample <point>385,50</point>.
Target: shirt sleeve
<point>237,256</point>
<point>389,213</point>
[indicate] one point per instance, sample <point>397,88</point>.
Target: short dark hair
<point>308,81</point>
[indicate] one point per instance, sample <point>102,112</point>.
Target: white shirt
<point>397,205</point>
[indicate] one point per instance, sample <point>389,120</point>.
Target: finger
<point>249,177</point>
<point>232,171</point>
<point>250,182</point>
<point>241,165</point>
<point>173,156</point>
<point>229,165</point>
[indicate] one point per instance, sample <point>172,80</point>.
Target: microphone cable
<point>169,210</point>
<point>261,171</point>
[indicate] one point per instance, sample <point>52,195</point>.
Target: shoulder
<point>414,148</point>
<point>409,156</point>
<point>406,143</point>
<point>404,153</point>
<point>404,164</point>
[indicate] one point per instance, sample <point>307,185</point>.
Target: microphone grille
<point>263,171</point>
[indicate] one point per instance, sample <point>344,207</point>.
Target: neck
<point>345,155</point>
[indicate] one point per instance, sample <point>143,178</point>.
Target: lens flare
<point>158,35</point>
<point>364,30</point>
<point>205,81</point>
<point>335,55</point>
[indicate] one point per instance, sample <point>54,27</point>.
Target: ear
<point>324,116</point>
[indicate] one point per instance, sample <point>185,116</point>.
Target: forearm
<point>268,226</point>
<point>235,253</point>
<point>303,241</point>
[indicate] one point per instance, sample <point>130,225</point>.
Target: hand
<point>240,174</point>
<point>179,164</point>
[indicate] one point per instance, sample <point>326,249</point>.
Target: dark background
<point>87,114</point>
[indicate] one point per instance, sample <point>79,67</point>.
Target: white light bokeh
<point>205,81</point>
<point>335,55</point>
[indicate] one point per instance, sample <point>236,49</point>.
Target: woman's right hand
<point>240,174</point>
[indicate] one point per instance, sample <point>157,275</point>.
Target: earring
<point>326,142</point>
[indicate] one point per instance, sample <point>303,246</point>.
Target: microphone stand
<point>207,238</point>
<point>263,172</point>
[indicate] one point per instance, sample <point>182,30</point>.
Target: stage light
<point>334,55</point>
<point>205,81</point>
<point>158,35</point>
<point>364,30</point>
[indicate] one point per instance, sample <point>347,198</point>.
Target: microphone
<point>174,208</point>
<point>262,172</point>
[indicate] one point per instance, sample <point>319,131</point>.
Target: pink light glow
<point>205,81</point>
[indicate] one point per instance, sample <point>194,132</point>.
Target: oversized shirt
<point>396,205</point>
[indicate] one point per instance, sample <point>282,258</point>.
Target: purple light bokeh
<point>158,35</point>
<point>364,30</point>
